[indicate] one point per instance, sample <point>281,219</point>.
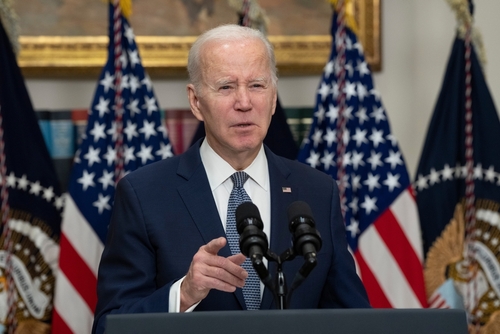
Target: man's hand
<point>210,271</point>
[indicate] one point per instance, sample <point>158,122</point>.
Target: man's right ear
<point>194,102</point>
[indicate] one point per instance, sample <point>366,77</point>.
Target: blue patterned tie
<point>251,290</point>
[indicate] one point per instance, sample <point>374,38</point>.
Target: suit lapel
<point>283,193</point>
<point>198,198</point>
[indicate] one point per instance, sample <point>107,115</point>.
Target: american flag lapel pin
<point>286,189</point>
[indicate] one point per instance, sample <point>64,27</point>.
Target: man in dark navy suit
<point>167,249</point>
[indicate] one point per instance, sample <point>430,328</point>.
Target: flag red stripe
<point>59,325</point>
<point>411,191</point>
<point>442,304</point>
<point>78,273</point>
<point>390,231</point>
<point>376,295</point>
<point>434,299</point>
<point>437,301</point>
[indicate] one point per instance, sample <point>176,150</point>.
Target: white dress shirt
<point>219,177</point>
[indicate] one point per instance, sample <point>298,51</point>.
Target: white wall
<point>416,42</point>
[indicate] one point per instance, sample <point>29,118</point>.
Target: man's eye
<point>225,87</point>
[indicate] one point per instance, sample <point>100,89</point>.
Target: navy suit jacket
<point>164,212</point>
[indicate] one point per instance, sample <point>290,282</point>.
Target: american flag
<point>125,100</point>
<point>379,208</point>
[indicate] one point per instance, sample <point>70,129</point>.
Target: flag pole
<point>117,28</point>
<point>341,99</point>
<point>11,320</point>
<point>470,197</point>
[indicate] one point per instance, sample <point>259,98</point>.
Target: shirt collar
<point>218,170</point>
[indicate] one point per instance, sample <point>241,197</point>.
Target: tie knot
<point>239,179</point>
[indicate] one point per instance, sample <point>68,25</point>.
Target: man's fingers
<point>225,269</point>
<point>211,271</point>
<point>237,259</point>
<point>222,279</point>
<point>215,245</point>
<point>208,266</point>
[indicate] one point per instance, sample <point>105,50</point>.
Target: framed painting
<point>68,38</point>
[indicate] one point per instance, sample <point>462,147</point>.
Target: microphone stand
<point>279,288</point>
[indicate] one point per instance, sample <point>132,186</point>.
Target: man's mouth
<point>243,125</point>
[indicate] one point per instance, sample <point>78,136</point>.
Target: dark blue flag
<point>31,205</point>
<point>96,167</point>
<point>380,211</point>
<point>462,262</point>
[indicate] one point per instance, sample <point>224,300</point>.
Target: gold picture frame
<point>166,56</point>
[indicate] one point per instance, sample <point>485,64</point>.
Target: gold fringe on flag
<point>464,19</point>
<point>126,7</point>
<point>257,15</point>
<point>349,14</point>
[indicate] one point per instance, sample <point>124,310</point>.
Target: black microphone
<point>306,239</point>
<point>253,241</point>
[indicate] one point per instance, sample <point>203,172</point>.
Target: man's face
<point>236,98</point>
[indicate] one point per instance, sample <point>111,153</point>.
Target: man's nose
<point>243,100</point>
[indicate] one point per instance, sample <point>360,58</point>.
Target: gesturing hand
<point>211,271</point>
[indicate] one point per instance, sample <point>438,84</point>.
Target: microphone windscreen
<point>299,209</point>
<point>246,210</point>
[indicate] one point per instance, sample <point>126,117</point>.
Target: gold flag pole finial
<point>126,7</point>
<point>349,14</point>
